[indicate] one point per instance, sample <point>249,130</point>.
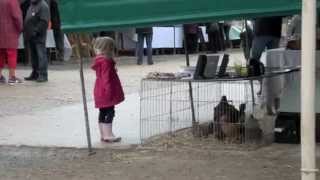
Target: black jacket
<point>36,22</point>
<point>147,30</point>
<point>270,26</point>
<point>54,13</point>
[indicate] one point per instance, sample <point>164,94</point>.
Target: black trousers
<point>39,58</point>
<point>106,115</point>
<point>213,41</point>
<point>59,40</point>
<point>192,42</point>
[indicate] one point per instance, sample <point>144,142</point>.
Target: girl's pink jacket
<point>108,90</point>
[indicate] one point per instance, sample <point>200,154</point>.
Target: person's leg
<point>215,39</point>
<point>43,62</point>
<point>34,62</point>
<point>106,125</point>
<point>12,64</point>
<point>189,42</point>
<point>202,46</point>
<point>258,46</point>
<point>226,29</point>
<point>215,42</point>
<point>2,64</point>
<point>2,61</point>
<point>27,53</point>
<point>210,41</point>
<point>101,121</point>
<point>140,47</point>
<point>149,48</point>
<point>221,37</point>
<point>195,42</point>
<point>272,101</point>
<point>59,40</point>
<point>273,43</point>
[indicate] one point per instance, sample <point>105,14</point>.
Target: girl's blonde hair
<point>105,46</point>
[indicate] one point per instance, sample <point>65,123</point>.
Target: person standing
<point>267,34</point>
<point>213,36</point>
<point>222,45</point>
<point>226,28</point>
<point>192,38</point>
<point>144,33</point>
<point>35,29</point>
<point>295,28</point>
<point>10,29</point>
<point>24,5</point>
<point>108,91</point>
<point>56,27</point>
<point>246,38</point>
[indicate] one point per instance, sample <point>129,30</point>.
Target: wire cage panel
<point>166,107</point>
<point>234,111</point>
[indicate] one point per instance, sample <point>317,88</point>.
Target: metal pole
<point>174,41</point>
<point>171,113</point>
<point>308,67</point>
<point>247,48</point>
<point>189,83</point>
<point>84,98</point>
<point>186,52</point>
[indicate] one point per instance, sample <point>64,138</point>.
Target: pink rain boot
<point>101,131</point>
<point>108,134</point>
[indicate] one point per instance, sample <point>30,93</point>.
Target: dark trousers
<point>222,46</point>
<point>106,115</point>
<point>192,42</point>
<point>26,54</point>
<point>39,59</point>
<point>59,40</point>
<point>140,46</point>
<point>213,41</point>
<point>226,29</point>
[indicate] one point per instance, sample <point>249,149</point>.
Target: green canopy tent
<point>96,15</point>
<point>84,15</point>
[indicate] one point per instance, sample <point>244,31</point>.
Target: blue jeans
<point>259,44</point>
<point>39,58</point>
<point>140,46</point>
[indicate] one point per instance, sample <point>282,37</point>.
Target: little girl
<point>108,91</point>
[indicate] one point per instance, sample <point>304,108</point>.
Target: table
<point>51,44</point>
<point>287,88</point>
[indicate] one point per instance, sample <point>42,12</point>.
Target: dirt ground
<point>164,160</point>
<point>179,162</point>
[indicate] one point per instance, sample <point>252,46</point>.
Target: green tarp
<point>95,15</point>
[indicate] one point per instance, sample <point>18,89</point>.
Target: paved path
<point>51,114</point>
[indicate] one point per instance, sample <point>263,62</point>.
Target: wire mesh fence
<point>228,111</point>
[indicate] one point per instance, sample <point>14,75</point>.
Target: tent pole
<point>189,83</point>
<point>84,98</point>
<point>308,67</point>
<point>174,41</point>
<point>247,48</point>
<point>186,51</point>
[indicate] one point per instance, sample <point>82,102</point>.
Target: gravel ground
<point>145,163</point>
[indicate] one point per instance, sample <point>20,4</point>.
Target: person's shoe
<point>14,80</point>
<point>32,77</point>
<point>42,79</point>
<point>150,63</point>
<point>111,140</point>
<point>3,80</point>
